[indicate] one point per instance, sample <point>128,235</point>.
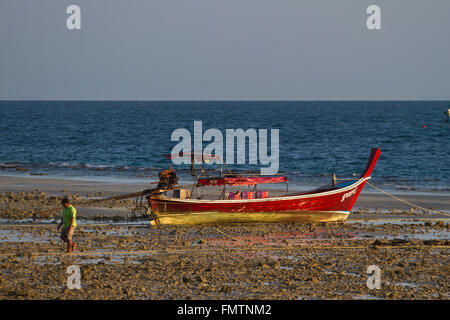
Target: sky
<point>224,50</point>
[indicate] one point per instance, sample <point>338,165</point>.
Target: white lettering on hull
<point>348,194</point>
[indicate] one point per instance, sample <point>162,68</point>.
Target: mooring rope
<point>407,202</point>
<point>229,236</point>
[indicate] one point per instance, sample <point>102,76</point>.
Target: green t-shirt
<point>69,213</point>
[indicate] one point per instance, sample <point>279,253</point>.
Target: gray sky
<point>225,49</point>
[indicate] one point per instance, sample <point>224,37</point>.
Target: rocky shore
<point>121,257</point>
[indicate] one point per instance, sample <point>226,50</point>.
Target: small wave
<point>95,166</point>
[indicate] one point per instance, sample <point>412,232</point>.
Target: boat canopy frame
<point>226,177</point>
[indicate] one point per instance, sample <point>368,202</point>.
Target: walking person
<point>68,223</point>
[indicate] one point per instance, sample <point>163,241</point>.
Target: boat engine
<point>167,179</point>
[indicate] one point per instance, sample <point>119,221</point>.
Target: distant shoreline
<point>133,181</point>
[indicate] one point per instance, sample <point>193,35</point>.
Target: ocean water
<point>125,139</point>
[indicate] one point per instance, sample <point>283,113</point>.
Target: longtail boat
<point>330,203</point>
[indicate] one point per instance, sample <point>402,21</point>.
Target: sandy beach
<point>125,258</point>
<point>369,198</point>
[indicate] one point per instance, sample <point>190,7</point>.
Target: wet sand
<point>124,258</point>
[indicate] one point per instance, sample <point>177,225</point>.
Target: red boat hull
<point>329,203</point>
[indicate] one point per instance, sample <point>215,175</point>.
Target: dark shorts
<point>66,235</point>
